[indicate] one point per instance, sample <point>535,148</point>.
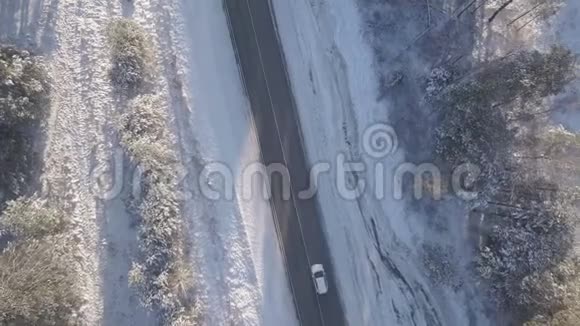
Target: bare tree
<point>499,10</point>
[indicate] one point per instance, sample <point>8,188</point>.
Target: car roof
<point>321,284</point>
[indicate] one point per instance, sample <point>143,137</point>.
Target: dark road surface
<point>273,108</point>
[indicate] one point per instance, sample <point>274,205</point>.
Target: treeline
<point>36,277</point>
<point>161,274</point>
<point>498,117</point>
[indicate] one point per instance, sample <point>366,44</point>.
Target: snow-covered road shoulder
<point>243,280</point>
<point>375,243</point>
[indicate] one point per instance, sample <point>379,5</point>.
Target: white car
<point>319,278</point>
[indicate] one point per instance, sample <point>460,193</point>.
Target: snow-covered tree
<point>32,218</point>
<point>132,54</point>
<point>144,133</point>
<point>38,284</point>
<point>24,90</point>
<point>529,237</point>
<point>476,114</point>
<point>160,276</point>
<point>494,118</point>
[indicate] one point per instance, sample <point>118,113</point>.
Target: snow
<point>375,244</point>
<point>241,279</point>
<point>238,265</point>
<point>242,273</point>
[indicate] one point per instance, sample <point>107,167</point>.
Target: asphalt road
<point>298,223</point>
